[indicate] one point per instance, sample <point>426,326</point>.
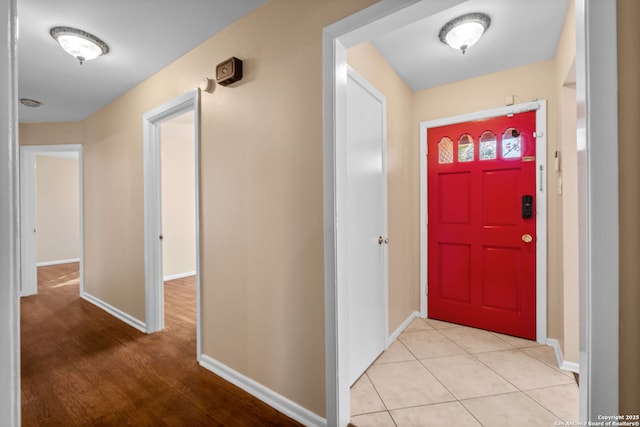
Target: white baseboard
<point>563,364</point>
<point>268,396</point>
<point>118,314</point>
<point>57,262</point>
<point>402,327</point>
<point>570,366</point>
<point>178,276</point>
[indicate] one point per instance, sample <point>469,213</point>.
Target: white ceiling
<point>521,32</point>
<point>143,37</point>
<point>146,35</point>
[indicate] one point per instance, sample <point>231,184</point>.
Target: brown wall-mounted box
<point>229,71</point>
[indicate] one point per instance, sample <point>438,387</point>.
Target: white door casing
<point>540,107</point>
<point>598,221</point>
<point>9,219</point>
<point>366,189</point>
<point>154,280</point>
<point>28,231</point>
<point>362,26</point>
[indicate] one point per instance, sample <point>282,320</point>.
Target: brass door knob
<point>527,238</point>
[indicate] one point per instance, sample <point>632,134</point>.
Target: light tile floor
<point>442,374</point>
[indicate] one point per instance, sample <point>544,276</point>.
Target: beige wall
<point>567,178</point>
<point>178,196</point>
<point>54,134</point>
<point>50,133</point>
<point>629,172</point>
<point>261,196</point>
<point>57,209</point>
<point>404,246</point>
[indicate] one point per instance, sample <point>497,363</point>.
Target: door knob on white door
<point>382,240</point>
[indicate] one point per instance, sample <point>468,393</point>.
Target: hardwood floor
<point>83,367</point>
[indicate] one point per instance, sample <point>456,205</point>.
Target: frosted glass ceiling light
<point>79,44</point>
<point>27,102</point>
<point>464,31</point>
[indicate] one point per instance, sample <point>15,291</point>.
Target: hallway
<point>442,374</point>
<point>83,367</point>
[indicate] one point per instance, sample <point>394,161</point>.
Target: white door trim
<point>598,222</point>
<point>541,201</point>
<point>154,281</point>
<point>28,153</point>
<point>9,219</point>
<point>598,354</point>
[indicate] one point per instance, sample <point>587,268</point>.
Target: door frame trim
<point>540,107</point>
<point>596,94</point>
<point>359,27</point>
<point>10,409</point>
<point>154,279</point>
<point>28,247</point>
<point>598,198</point>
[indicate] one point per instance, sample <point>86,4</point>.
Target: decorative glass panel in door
<point>465,148</point>
<point>511,148</point>
<point>488,149</point>
<point>445,151</point>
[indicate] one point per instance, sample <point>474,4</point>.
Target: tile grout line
<point>380,397</point>
<point>496,372</point>
<point>520,390</point>
<point>543,406</point>
<point>512,348</point>
<point>439,380</point>
<point>451,392</point>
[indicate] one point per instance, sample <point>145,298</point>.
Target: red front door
<point>482,224</point>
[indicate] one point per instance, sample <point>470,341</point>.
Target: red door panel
<point>500,188</point>
<point>455,198</point>
<point>456,282</point>
<point>481,272</point>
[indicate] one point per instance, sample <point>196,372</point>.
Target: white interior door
<point>367,223</point>
<point>28,268</point>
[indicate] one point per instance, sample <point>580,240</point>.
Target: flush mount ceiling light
<point>79,44</point>
<point>30,102</point>
<point>464,31</point>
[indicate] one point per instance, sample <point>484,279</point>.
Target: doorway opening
<point>171,206</point>
<point>540,214</point>
<point>177,155</point>
<point>51,216</point>
<point>387,15</point>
